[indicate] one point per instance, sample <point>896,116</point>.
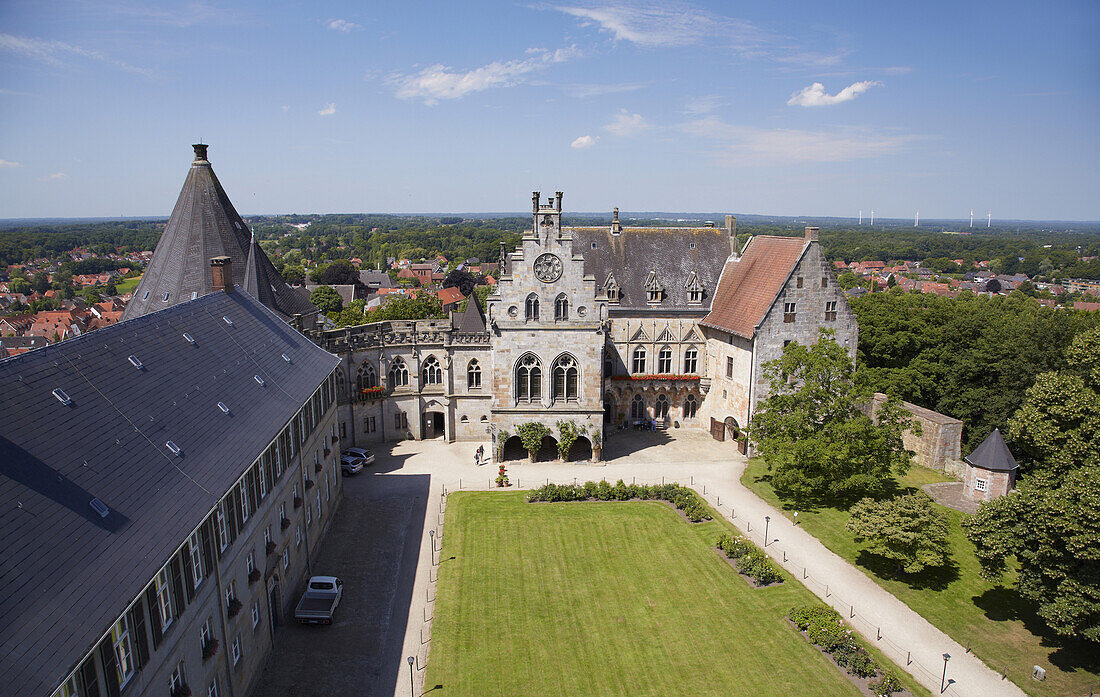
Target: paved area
<point>950,494</point>
<point>713,469</point>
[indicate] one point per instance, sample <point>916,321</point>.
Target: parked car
<point>320,600</point>
<point>350,465</point>
<point>363,454</point>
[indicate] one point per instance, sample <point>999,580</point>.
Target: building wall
<point>940,441</point>
<point>729,393</point>
<point>996,483</point>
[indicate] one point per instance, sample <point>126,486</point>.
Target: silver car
<point>363,454</point>
<point>350,465</point>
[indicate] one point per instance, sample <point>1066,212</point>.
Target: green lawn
<point>608,598</point>
<point>127,285</point>
<point>1000,626</point>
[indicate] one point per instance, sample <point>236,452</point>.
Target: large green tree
<point>326,299</point>
<point>813,432</point>
<point>906,529</point>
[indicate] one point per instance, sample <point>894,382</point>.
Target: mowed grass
<point>127,285</point>
<point>595,598</point>
<point>999,626</point>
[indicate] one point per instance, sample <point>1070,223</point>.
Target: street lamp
<point>943,680</point>
<point>431,535</point>
<point>767,522</point>
<point>412,686</point>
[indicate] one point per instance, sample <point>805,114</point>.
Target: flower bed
<point>683,498</point>
<point>825,628</point>
<point>752,562</point>
<point>654,377</point>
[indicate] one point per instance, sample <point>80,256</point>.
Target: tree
<point>19,285</point>
<point>461,279</point>
<point>111,288</point>
<point>339,273</point>
<point>294,274</point>
<point>91,295</point>
<point>1050,526</point>
<point>907,529</point>
<point>813,434</point>
<point>1055,428</point>
<point>326,299</point>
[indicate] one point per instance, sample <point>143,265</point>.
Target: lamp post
<point>943,680</point>
<point>767,522</point>
<point>412,685</point>
<point>431,536</point>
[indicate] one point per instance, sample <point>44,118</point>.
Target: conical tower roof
<point>472,319</point>
<point>993,454</point>
<point>264,283</point>
<point>204,225</point>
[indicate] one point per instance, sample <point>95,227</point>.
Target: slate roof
<point>471,320</point>
<point>750,284</point>
<point>632,254</point>
<point>264,283</point>
<point>204,225</point>
<point>376,279</point>
<point>66,574</point>
<point>993,454</point>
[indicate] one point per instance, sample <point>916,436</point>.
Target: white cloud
<point>626,124</point>
<point>815,94</point>
<point>584,142</point>
<point>664,24</point>
<point>180,15</point>
<point>760,146</point>
<point>49,51</point>
<point>56,176</point>
<point>583,91</point>
<point>698,106</point>
<point>285,108</point>
<point>342,25</point>
<point>328,111</point>
<point>439,81</point>
<point>8,163</point>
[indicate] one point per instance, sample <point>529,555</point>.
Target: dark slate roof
<point>471,320</point>
<point>203,225</point>
<point>376,279</point>
<point>635,252</point>
<point>993,454</point>
<point>66,574</point>
<point>264,283</point>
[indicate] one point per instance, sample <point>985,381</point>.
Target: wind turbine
<point>861,216</point>
<point>916,219</point>
<point>872,216</point>
<point>989,224</point>
<point>971,217</point>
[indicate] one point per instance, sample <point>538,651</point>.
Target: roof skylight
<point>134,361</point>
<point>225,409</point>
<point>190,339</point>
<point>259,380</point>
<point>62,397</point>
<point>287,358</point>
<point>99,507</point>
<point>173,447</point>
<point>227,320</point>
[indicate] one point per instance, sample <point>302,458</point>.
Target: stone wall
<point>939,446</point>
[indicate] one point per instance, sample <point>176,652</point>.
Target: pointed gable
<point>666,335</point>
<point>640,335</point>
<point>750,284</point>
<point>471,320</point>
<point>993,454</point>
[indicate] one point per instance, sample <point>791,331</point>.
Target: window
<point>529,379</point>
<point>223,534</point>
<point>661,407</point>
<point>432,372</point>
<point>212,690</point>
<point>366,377</point>
<point>830,311</point>
<point>255,613</point>
<point>691,361</point>
<point>267,536</point>
<point>124,653</point>
<point>653,288</point>
<point>473,375</point>
<point>400,420</point>
<point>343,430</point>
<point>175,680</point>
<point>564,386</point>
<point>194,545</point>
<point>164,598</point>
<point>68,689</point>
<point>531,308</point>
<point>369,424</point>
<point>561,308</point>
<point>695,295</point>
<point>788,312</point>
<point>608,364</point>
<point>309,514</point>
<point>653,296</point>
<point>798,282</point>
<point>638,364</point>
<point>320,511</point>
<point>637,407</point>
<point>399,373</point>
<point>244,504</point>
<point>230,592</point>
<point>824,281</point>
<point>691,407</point>
<point>286,559</point>
<point>729,367</point>
<point>979,485</point>
<point>664,360</point>
<point>205,634</point>
<point>250,562</point>
<point>236,649</point>
<point>282,510</point>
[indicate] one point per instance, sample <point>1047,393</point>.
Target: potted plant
<point>233,608</point>
<point>285,522</point>
<point>317,466</point>
<point>297,501</point>
<point>271,544</point>
<point>597,445</point>
<point>253,576</point>
<point>502,477</point>
<point>309,484</point>
<point>531,434</point>
<point>209,648</point>
<point>181,691</point>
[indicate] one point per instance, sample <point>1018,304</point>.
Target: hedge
<point>751,560</point>
<point>682,497</point>
<point>825,628</point>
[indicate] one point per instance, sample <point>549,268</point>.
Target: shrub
<point>603,491</point>
<point>734,547</point>
<point>682,497</point>
<point>234,607</point>
<point>825,628</point>
<point>758,566</point>
<point>885,684</point>
<point>590,490</point>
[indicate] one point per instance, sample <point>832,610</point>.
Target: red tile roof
<point>749,286</point>
<point>450,295</point>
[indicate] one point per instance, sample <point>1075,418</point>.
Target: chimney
<point>535,195</point>
<point>557,204</point>
<point>222,270</point>
<point>731,230</point>
<point>616,226</point>
<point>811,234</point>
<point>200,152</point>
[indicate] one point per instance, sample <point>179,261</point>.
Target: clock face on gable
<point>547,268</point>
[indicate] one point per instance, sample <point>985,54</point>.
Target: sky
<point>757,107</point>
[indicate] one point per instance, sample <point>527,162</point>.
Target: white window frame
<point>282,511</point>
<point>230,592</point>
<point>298,536</point>
<point>175,680</point>
<point>223,531</point>
<point>309,513</point>
<point>267,537</point>
<point>250,562</point>
<point>980,485</point>
<point>205,633</point>
<point>236,650</point>
<point>255,613</point>
<point>163,584</point>
<point>262,471</point>
<point>691,360</point>
<point>244,503</point>
<point>124,651</point>
<point>286,559</point>
<point>212,689</point>
<point>197,570</point>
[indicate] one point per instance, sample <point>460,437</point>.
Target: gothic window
<point>664,360</point>
<point>608,364</point>
<point>561,308</point>
<point>611,288</point>
<point>637,407</point>
<point>529,379</point>
<point>399,373</point>
<point>691,361</point>
<point>532,308</point>
<point>661,408</point>
<point>473,374</point>
<point>691,406</point>
<point>432,372</point>
<point>366,376</point>
<point>788,313</point>
<point>564,386</point>
<point>694,289</point>
<point>341,388</point>
<point>639,360</point>
<point>653,289</point>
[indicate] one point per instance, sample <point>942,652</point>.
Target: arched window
<point>561,308</point>
<point>399,373</point>
<point>366,377</point>
<point>473,374</point>
<point>608,364</point>
<point>639,360</point>
<point>341,384</point>
<point>664,360</point>
<point>691,406</point>
<point>637,407</point>
<point>433,374</point>
<point>531,312</point>
<point>529,379</point>
<point>661,408</point>
<point>691,361</point>
<point>564,386</point>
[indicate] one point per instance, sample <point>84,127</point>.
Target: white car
<point>360,454</point>
<point>350,465</point>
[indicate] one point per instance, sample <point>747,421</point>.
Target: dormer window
<point>653,289</point>
<point>694,289</point>
<point>611,288</point>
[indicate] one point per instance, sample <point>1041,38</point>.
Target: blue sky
<point>793,108</point>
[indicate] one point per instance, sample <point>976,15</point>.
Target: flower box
<point>253,576</point>
<point>285,522</point>
<point>234,607</point>
<point>271,545</point>
<point>654,377</point>
<point>209,649</point>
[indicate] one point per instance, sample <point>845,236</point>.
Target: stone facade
<point>939,445</point>
<point>985,485</point>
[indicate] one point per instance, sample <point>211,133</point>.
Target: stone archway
<point>581,450</point>
<point>733,431</point>
<point>548,450</point>
<point>514,450</point>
